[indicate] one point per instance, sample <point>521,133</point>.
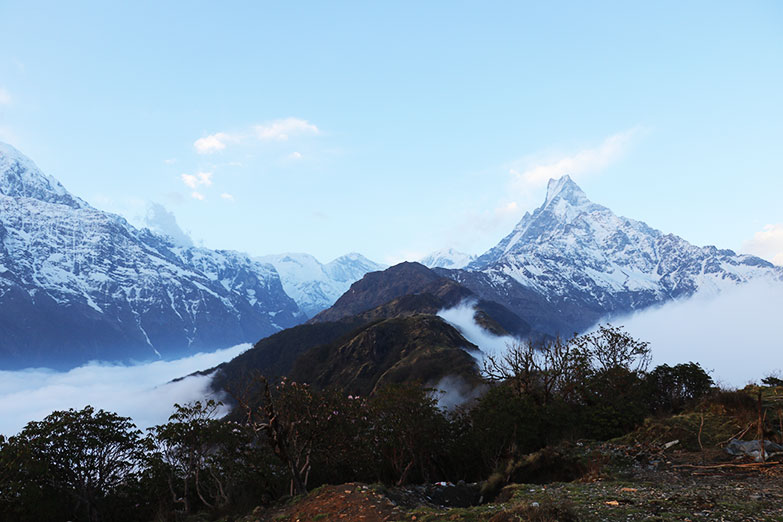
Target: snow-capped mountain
<point>572,262</point>
<point>447,258</point>
<point>21,178</point>
<point>316,286</point>
<point>77,283</point>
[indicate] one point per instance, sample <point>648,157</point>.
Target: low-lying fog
<point>736,335</point>
<point>143,391</point>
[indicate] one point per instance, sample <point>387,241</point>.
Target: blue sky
<point>396,129</point>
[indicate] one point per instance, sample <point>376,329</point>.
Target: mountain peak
<point>447,258</point>
<point>565,202</point>
<point>566,189</point>
<point>21,178</point>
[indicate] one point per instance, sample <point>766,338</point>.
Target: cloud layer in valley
<point>143,392</point>
<point>736,334</point>
<point>462,317</point>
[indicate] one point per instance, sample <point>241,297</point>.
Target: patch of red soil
<point>349,502</point>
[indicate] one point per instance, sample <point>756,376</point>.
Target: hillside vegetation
<point>543,405</point>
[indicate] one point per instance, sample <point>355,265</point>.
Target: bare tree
<point>610,347</point>
<point>540,370</point>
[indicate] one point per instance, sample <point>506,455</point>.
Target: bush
<point>672,389</point>
<point>208,463</point>
<point>73,464</point>
<point>409,432</point>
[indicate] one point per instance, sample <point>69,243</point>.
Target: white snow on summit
<point>447,258</point>
<point>315,286</point>
<point>573,247</point>
<point>77,283</point>
<point>21,178</point>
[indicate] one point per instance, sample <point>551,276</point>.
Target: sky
<point>397,129</point>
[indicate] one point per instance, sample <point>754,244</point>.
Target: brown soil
<point>695,486</point>
<point>347,502</point>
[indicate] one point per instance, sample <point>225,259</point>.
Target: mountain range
<point>565,266</point>
<point>77,283</point>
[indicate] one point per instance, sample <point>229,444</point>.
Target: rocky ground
<point>635,485</point>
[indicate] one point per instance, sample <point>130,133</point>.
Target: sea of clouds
<point>736,335</point>
<point>144,392</point>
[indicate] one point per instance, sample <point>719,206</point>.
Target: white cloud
<point>227,196</point>
<point>535,172</point>
<point>197,179</point>
<point>463,318</point>
<point>163,222</point>
<point>735,333</point>
<point>214,142</point>
<point>143,392</point>
<point>767,243</point>
<point>197,195</point>
<point>295,156</point>
<point>170,161</point>
<point>507,209</point>
<point>5,97</point>
<point>285,128</point>
<point>277,130</point>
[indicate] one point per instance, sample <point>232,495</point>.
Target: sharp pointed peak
<point>565,188</point>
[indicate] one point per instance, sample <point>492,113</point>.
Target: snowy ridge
<point>316,286</point>
<point>21,178</point>
<point>77,283</point>
<point>447,258</point>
